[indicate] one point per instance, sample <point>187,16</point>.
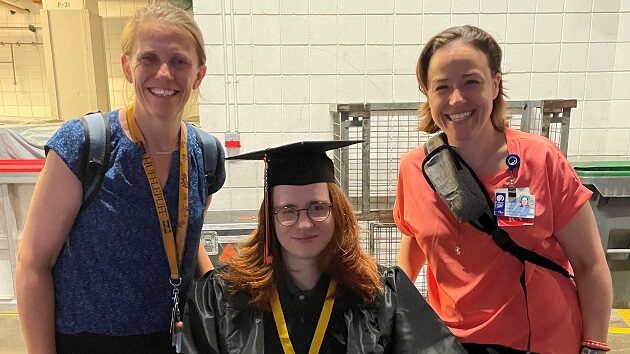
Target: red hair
<point>342,260</point>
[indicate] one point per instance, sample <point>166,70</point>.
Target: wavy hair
<point>341,260</point>
<point>483,42</point>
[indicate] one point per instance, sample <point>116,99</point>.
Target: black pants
<point>473,348</point>
<point>82,343</point>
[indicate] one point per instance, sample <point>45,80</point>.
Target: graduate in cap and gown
<point>301,283</point>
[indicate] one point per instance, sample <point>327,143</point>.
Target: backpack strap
<point>208,146</point>
<point>485,221</point>
<point>96,153</point>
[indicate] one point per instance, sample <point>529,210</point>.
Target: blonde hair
<point>483,42</point>
<point>162,11</point>
<point>341,260</point>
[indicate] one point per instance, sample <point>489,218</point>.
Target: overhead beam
<point>14,8</point>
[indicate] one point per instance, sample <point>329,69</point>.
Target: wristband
<point>593,344</point>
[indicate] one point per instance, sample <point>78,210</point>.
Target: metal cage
<point>382,241</point>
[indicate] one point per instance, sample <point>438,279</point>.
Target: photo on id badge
<point>514,208</point>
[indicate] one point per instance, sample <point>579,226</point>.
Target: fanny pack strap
<point>486,221</point>
<point>505,242</point>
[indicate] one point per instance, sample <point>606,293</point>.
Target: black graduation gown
<point>217,321</point>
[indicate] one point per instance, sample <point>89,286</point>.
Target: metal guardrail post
<point>371,247</point>
<point>365,158</point>
<point>557,112</point>
<point>344,169</point>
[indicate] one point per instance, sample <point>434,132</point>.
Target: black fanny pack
<point>465,196</point>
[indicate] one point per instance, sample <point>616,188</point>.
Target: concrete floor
<point>11,338</point>
<point>619,331</point>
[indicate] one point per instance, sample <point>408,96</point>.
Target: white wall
<point>23,94</point>
<point>27,100</point>
<point>295,57</point>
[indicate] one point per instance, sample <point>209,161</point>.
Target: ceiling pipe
<point>13,8</point>
<point>31,28</point>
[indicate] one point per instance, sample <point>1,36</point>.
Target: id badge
<point>514,208</point>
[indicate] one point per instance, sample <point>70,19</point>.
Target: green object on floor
<point>602,168</point>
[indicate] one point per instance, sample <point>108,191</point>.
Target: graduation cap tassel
<point>266,252</point>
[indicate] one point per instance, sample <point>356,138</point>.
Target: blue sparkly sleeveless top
<point>112,275</point>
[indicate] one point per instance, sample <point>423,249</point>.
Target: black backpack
<point>95,158</point>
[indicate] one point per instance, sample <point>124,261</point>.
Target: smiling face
<point>460,92</point>
<point>306,239</point>
<point>524,201</point>
<point>163,68</point>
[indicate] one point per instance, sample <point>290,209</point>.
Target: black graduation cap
<point>295,164</point>
<point>300,163</point>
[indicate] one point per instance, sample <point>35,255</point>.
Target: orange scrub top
<point>477,293</point>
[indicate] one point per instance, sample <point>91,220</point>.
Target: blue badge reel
<point>512,161</point>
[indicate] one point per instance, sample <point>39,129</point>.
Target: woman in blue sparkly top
<point>102,277</point>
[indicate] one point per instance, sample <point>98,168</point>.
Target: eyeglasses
<point>289,216</point>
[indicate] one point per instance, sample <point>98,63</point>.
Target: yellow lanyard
<point>322,324</point>
<point>174,251</point>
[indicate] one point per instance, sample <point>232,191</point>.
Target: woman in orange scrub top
<point>474,286</point>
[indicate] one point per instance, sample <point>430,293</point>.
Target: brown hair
<point>162,11</point>
<point>483,42</point>
<point>342,259</point>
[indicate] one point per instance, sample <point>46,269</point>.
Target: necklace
<point>174,145</point>
<point>168,151</point>
<point>163,152</point>
<point>458,250</point>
